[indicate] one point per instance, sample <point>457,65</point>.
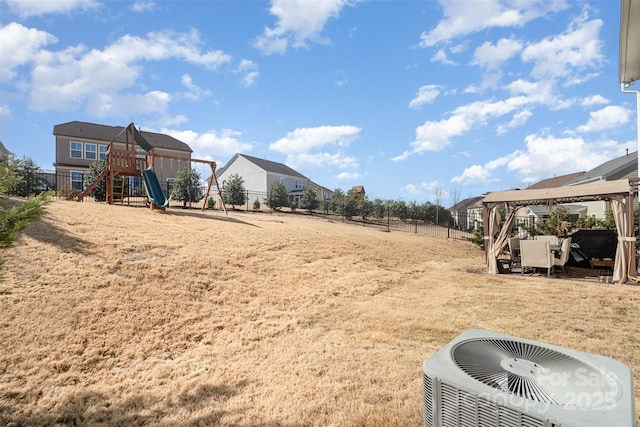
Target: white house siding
<point>255,178</point>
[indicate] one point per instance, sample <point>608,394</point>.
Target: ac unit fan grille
<point>533,372</point>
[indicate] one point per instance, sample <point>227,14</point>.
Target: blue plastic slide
<point>153,188</point>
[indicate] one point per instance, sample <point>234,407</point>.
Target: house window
<point>76,150</point>
<point>102,152</point>
<point>283,181</point>
<point>299,185</point>
<point>76,180</point>
<point>90,151</point>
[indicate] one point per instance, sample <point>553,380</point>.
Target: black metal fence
<point>69,185</point>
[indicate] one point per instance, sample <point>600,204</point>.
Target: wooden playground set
<point>129,162</point>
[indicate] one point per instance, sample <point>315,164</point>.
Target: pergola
<point>618,194</point>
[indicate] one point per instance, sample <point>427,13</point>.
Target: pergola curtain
<point>619,207</point>
<point>497,244</point>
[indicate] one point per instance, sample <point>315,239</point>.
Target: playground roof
<point>105,133</point>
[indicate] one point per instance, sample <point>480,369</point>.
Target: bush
<point>256,205</point>
<point>68,193</point>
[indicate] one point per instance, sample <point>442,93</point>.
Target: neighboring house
<point>623,167</point>
<point>555,182</point>
<point>541,213</point>
<point>259,174</point>
<point>465,213</point>
<point>322,193</point>
<point>78,144</point>
<point>357,191</point>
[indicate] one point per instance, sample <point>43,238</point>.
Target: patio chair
<point>552,239</point>
<point>536,254</point>
<point>514,250</point>
<point>563,261</point>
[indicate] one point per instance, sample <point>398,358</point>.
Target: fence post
<point>388,218</point>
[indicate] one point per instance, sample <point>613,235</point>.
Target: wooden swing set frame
<point>129,162</point>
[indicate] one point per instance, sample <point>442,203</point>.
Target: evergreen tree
<point>187,186</point>
<point>234,192</point>
<point>277,196</point>
<point>99,192</point>
<point>18,217</point>
<point>308,200</point>
<point>338,200</point>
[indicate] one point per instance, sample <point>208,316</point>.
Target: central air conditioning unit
<point>487,379</point>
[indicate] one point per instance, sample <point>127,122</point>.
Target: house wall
<point>71,167</point>
<point>167,169</point>
<point>65,156</point>
<point>255,178</point>
<point>290,183</point>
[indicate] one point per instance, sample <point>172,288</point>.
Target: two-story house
<point>259,174</point>
<point>78,144</point>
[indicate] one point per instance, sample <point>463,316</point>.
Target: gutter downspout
<point>624,87</point>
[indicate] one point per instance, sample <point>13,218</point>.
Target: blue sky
<point>415,100</point>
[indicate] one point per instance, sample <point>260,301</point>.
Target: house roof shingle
<point>556,181</point>
<point>465,204</point>
<point>267,165</point>
<point>611,170</point>
<point>78,129</point>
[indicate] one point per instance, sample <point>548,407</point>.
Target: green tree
<point>365,207</point>
<point>187,186</point>
<point>99,192</point>
<point>338,200</point>
<point>234,192</point>
<point>277,196</point>
<point>308,200</point>
<point>378,208</point>
<point>353,204</point>
<point>18,217</point>
<point>26,172</point>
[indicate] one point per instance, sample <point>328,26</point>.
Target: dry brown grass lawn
<point>115,316</point>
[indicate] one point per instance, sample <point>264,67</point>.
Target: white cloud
<point>441,57</point>
<point>564,55</point>
<point>298,22</point>
<point>319,146</point>
<point>462,19</point>
<point>143,6</point>
<point>75,77</point>
<point>211,145</point>
<point>545,156</point>
<point>410,189</point>
<point>609,117</point>
<point>248,70</point>
<point>126,105</point>
<point>475,175</point>
<point>27,8</point>
<point>20,46</point>
<point>306,139</point>
<point>491,56</point>
<point>436,135</point>
<point>518,119</point>
<point>426,94</point>
<point>346,176</point>
<point>194,92</point>
<point>594,100</point>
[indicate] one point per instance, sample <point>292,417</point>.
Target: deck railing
<point>126,159</point>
